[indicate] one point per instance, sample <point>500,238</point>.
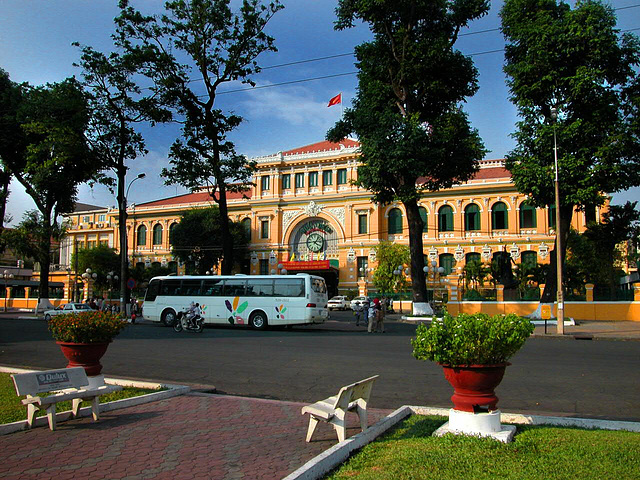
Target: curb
<point>173,391</point>
<point>317,467</point>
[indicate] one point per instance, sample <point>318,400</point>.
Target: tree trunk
<point>416,249</point>
<point>227,240</point>
<point>122,231</point>
<point>5,180</point>
<point>45,257</point>
<point>551,283</point>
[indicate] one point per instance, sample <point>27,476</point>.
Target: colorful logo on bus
<point>280,312</point>
<point>236,310</point>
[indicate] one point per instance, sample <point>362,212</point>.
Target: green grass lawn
<point>12,410</point>
<point>409,452</point>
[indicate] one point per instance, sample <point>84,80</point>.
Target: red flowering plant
<point>86,327</point>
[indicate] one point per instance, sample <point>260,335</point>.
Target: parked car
<point>338,302</point>
<point>67,308</point>
<point>360,301</point>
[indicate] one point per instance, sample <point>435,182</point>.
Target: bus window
<point>191,288</point>
<point>259,288</point>
<point>234,288</point>
<point>152,291</point>
<point>212,287</point>
<point>318,285</point>
<point>289,287</point>
<point>170,287</point>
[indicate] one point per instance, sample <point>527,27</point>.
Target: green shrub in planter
<point>471,339</point>
<point>86,327</point>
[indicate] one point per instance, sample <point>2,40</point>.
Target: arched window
<point>157,234</point>
<point>447,262</point>
<point>142,235</point>
<point>471,217</point>
<point>472,257</point>
<point>499,216</point>
<point>445,219</point>
<point>395,221</point>
<point>172,227</point>
<point>529,259</point>
<point>246,226</point>
<point>423,216</point>
<point>551,215</point>
<point>527,216</point>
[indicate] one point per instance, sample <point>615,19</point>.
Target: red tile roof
<point>492,172</point>
<point>196,197</point>
<point>323,146</point>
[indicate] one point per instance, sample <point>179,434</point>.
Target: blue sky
<point>35,47</point>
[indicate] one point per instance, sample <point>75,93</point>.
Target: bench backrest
<point>33,383</point>
<point>355,391</point>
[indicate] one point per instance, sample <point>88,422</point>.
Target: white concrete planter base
<point>477,424</point>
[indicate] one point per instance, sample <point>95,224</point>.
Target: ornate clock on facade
<point>315,242</point>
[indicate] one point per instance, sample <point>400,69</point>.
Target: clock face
<point>315,242</point>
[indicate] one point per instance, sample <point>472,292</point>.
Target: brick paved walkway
<point>191,436</point>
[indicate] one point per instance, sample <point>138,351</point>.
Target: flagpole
<point>341,106</point>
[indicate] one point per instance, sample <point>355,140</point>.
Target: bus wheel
<point>258,320</point>
<point>168,318</point>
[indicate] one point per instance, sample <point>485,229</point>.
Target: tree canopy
<point>197,239</point>
<point>117,106</point>
<point>575,61</point>
<point>413,133</point>
<point>49,154</point>
<point>389,256</point>
<point>216,44</point>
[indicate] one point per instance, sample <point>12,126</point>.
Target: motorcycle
<point>185,321</point>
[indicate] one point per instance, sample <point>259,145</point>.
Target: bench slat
<point>63,396</point>
<point>50,380</point>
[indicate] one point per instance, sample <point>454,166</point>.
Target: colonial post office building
<point>304,215</point>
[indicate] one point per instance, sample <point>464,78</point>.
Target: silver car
<point>67,308</point>
<point>360,302</point>
<point>338,303</point>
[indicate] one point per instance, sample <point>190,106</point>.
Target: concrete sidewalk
<point>191,436</point>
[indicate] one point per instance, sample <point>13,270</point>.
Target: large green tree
<point>102,259</point>
<point>575,61</point>
<point>10,135</point>
<point>50,156</point>
<point>414,136</point>
<point>197,239</point>
<point>389,256</point>
<point>118,106</point>
<point>199,46</point>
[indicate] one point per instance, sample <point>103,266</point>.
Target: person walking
<point>357,311</point>
<point>372,317</point>
<point>381,313</point>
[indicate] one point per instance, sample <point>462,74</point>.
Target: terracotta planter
<point>85,355</point>
<point>474,385</point>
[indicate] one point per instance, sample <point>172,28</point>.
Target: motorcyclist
<point>192,313</point>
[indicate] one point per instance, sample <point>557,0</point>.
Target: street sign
<point>131,283</point>
<point>545,312</point>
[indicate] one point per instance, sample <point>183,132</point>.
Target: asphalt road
<point>599,379</point>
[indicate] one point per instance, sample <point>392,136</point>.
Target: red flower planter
<point>474,385</point>
<point>85,355</point>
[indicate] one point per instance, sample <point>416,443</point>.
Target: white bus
<point>255,300</point>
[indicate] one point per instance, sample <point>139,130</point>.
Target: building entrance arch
<point>313,248</point>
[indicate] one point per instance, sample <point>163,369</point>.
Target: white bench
<point>334,409</point>
<point>68,383</point>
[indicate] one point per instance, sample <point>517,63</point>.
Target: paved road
<point>549,375</point>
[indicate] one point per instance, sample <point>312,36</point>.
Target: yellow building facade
<point>305,215</point>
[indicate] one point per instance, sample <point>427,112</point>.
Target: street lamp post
<point>124,253</point>
<point>111,277</point>
<point>6,276</point>
<point>398,273</point>
<point>281,269</point>
<point>560,296</point>
<point>87,276</point>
